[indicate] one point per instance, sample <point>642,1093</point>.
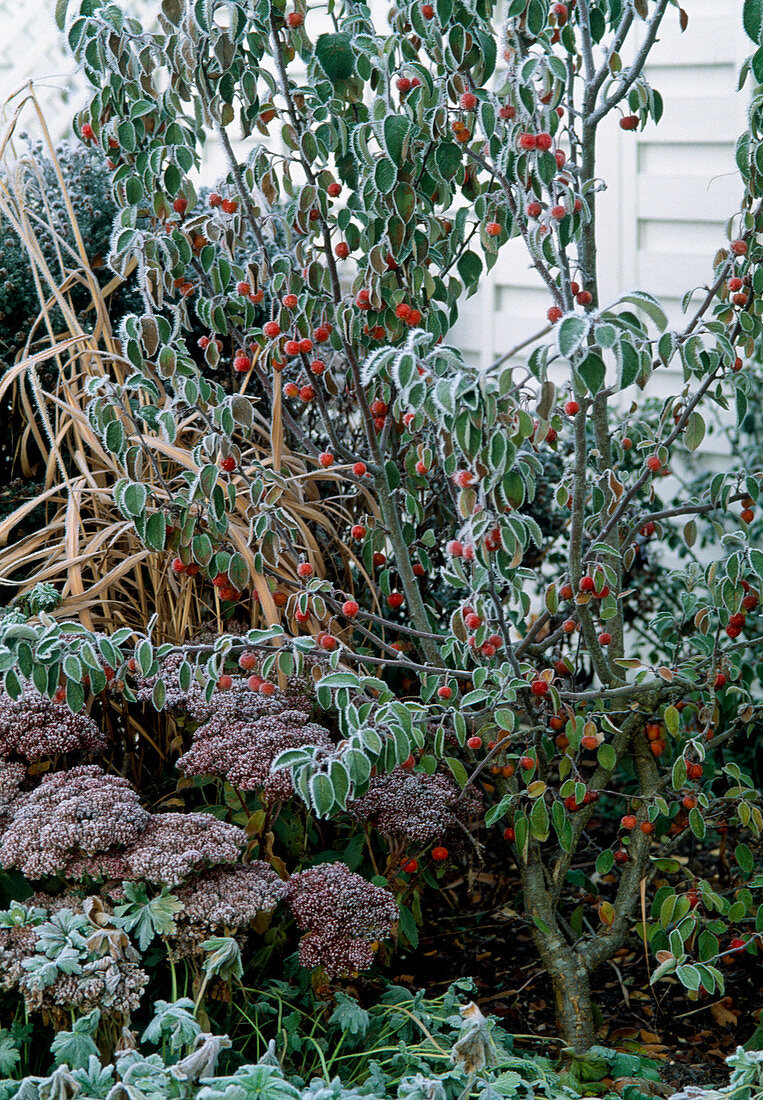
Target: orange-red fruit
<point>225,682</point>
<point>266,688</point>
<point>493,229</point>
<point>571,408</point>
<point>468,101</point>
<point>647,827</point>
<point>410,866</point>
<point>605,638</point>
<point>229,206</point>
<point>305,569</point>
<point>342,250</point>
<point>350,609</point>
<point>180,205</point>
<point>554,314</point>
<point>474,742</point>
<point>295,19</point>
<point>255,682</point>
<point>739,247</point>
<point>509,833</point>
<point>247,661</point>
<point>271,329</point>
<point>178,565</point>
<point>327,641</point>
<point>360,469</point>
<point>526,763</point>
<point>629,122</point>
<point>395,599</point>
<point>565,592</point>
<point>445,692</point>
<point>653,463</point>
<point>628,821</point>
<point>439,853</point>
<point>326,459</point>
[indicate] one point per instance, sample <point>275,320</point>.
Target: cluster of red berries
<point>408,314</point>
<point>405,84</point>
<point>228,206</point>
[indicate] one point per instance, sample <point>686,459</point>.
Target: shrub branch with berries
<point>457,627</point>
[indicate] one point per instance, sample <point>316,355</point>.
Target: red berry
<point>271,329</point>
<point>720,681</point>
<point>737,944</point>
<point>526,763</point>
<point>569,626</point>
<point>565,592</point>
<point>454,548</point>
<point>255,682</point>
<point>629,821</point>
<point>571,408</point>
<point>463,478</point>
<point>411,865</point>
<point>539,687</point>
<point>248,661</point>
<point>225,682</point>
<point>295,19</point>
<point>584,298</point>
<point>472,621</point>
<point>395,599</point>
<point>739,247</point>
<point>421,468</point>
<point>403,85</point>
<point>363,299</point>
<point>317,366</point>
<point>326,459</point>
<point>558,212</point>
<point>301,616</point>
<point>291,389</point>
<point>526,141</point>
<point>468,101</point>
<point>289,301</point>
<point>509,833</point>
<point>647,827</point>
<point>378,559</point>
<point>472,742</point>
<point>554,314</point>
<point>229,206</point>
<point>358,531</point>
<point>543,141</point>
<point>306,393</point>
<point>629,122</point>
<point>445,692</point>
<point>305,346</point>
<point>560,157</point>
<point>586,584</point>
<point>228,464</point>
<point>242,363</point>
<point>605,638</point>
<point>534,209</point>
<point>342,250</point>
<point>180,205</point>
<point>305,569</point>
<point>178,565</point>
<point>334,190</point>
<point>414,318</point>
<point>653,463</point>
<point>87,132</point>
<point>291,348</point>
<point>620,856</point>
<point>493,229</point>
<point>350,609</point>
<point>328,642</point>
<point>215,199</point>
<point>439,853</point>
<point>507,111</point>
<point>427,11</point>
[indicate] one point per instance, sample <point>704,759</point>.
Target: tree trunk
<point>572,1000</point>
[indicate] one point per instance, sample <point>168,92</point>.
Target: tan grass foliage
<point>83,545</point>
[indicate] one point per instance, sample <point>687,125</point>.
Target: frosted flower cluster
<point>173,846</point>
<point>342,915</point>
<point>36,727</point>
<point>225,901</point>
<point>82,811</point>
<point>241,749</point>
<point>414,806</point>
<point>11,777</point>
<point>237,701</point>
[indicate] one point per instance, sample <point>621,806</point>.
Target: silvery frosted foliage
<point>343,917</point>
<point>173,846</point>
<point>82,811</point>
<point>242,749</point>
<point>63,959</point>
<point>34,727</point>
<point>415,806</point>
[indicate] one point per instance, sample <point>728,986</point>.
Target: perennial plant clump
<point>327,497</point>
